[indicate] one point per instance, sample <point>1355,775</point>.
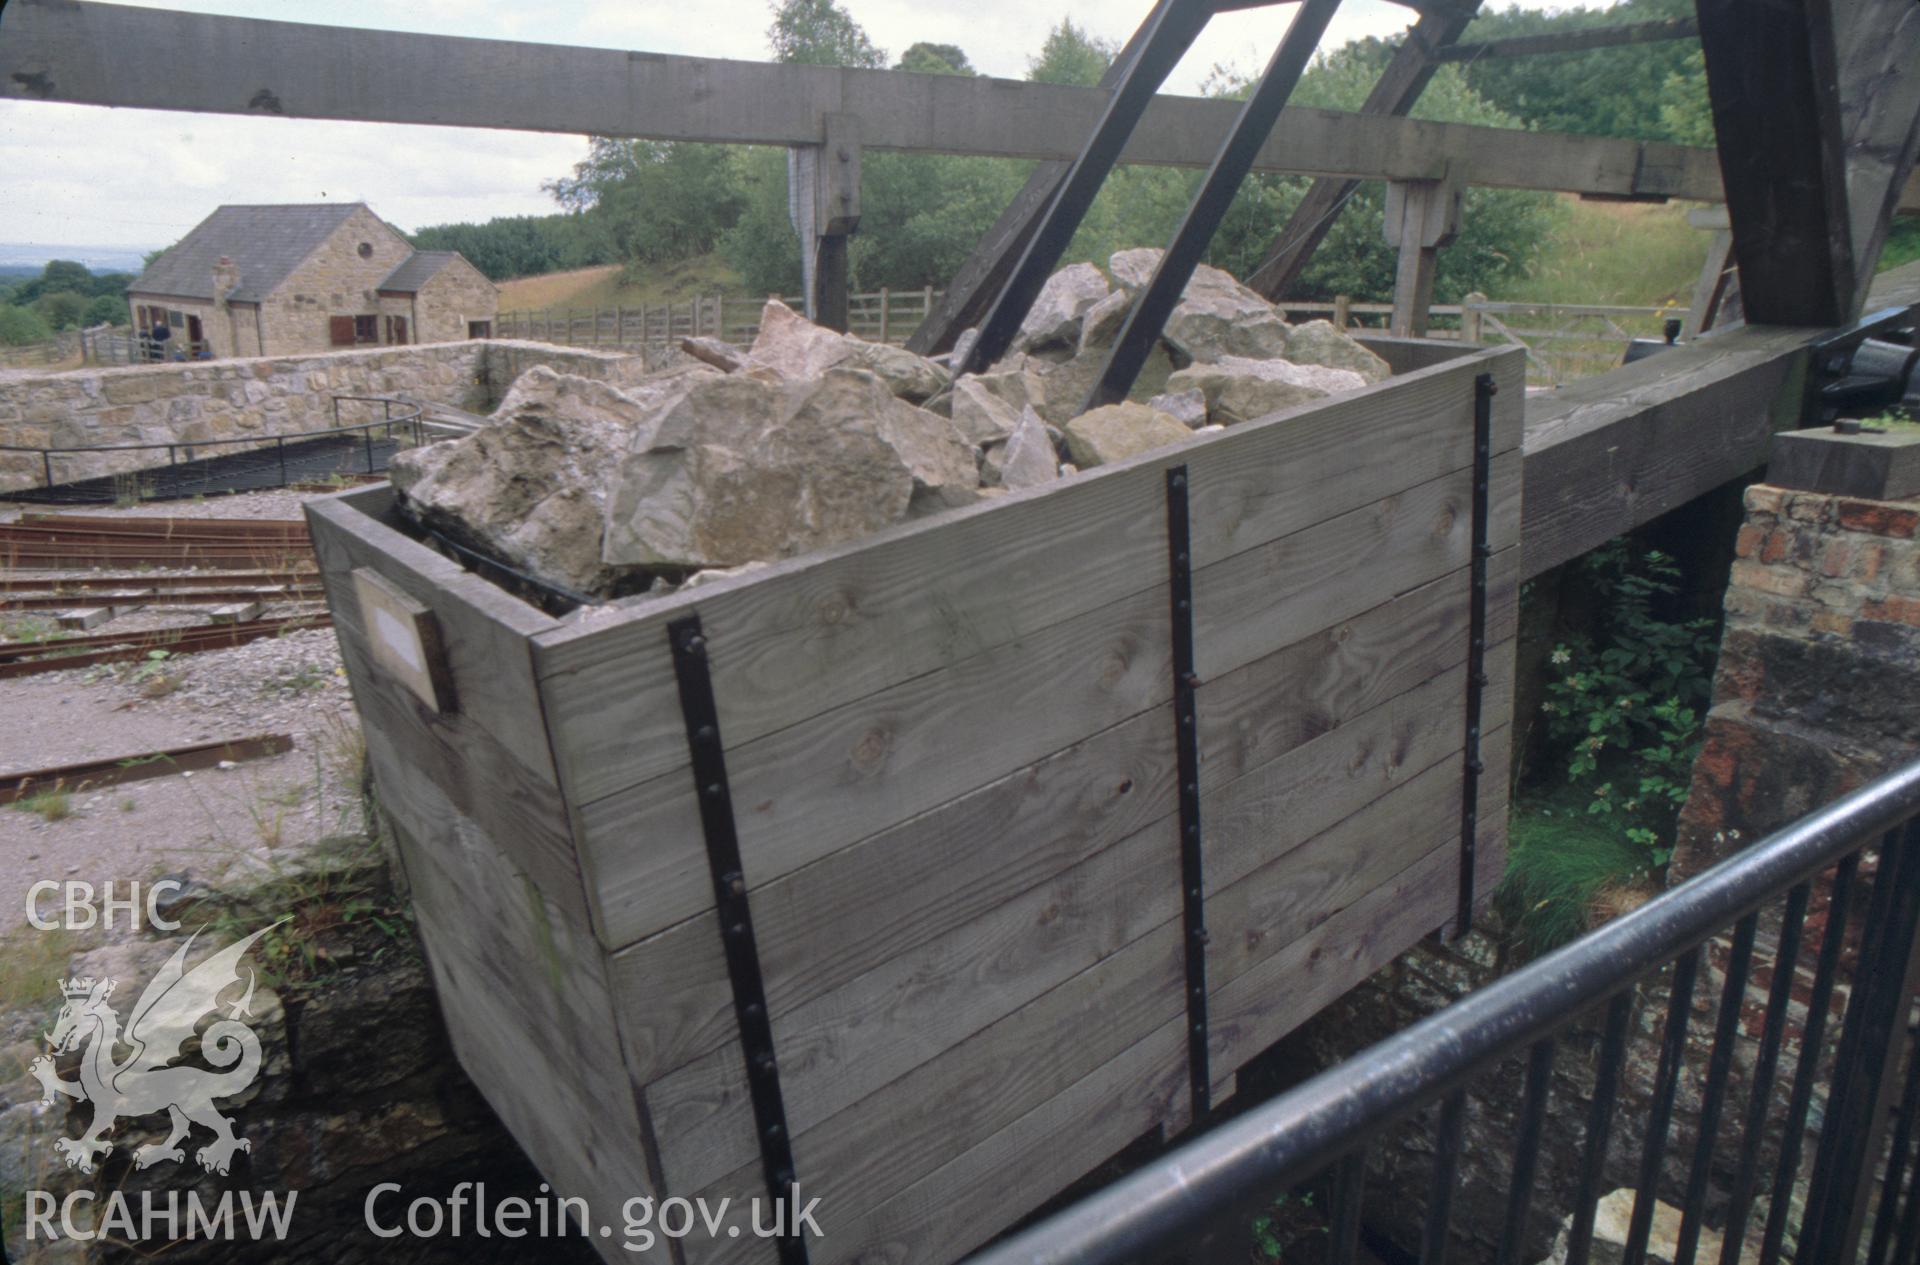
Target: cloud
<point>86,175</point>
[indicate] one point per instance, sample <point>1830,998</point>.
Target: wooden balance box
<point>952,757</point>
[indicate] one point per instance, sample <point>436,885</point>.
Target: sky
<point>85,175</point>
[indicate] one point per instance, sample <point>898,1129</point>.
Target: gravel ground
<point>254,815</point>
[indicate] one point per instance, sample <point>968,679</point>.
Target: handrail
<point>418,409</point>
<point>1314,1125</point>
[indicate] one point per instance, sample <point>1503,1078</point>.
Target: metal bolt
<point>752,1010</point>
<point>736,930</point>
<point>773,1132</point>
<point>713,790</point>
<point>763,1062</point>
<point>1192,680</point>
<point>1179,480</point>
<point>706,733</point>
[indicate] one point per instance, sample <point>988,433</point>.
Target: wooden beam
<point>1879,70</point>
<point>1576,41</point>
<point>1406,76</point>
<point>114,55</point>
<point>1421,217</point>
<point>1776,110</point>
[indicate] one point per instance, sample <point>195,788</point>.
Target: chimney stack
<point>225,278</point>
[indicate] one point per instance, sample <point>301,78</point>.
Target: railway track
<point>76,541</point>
<point>28,658</point>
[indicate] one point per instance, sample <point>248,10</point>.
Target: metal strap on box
<point>697,707</point>
<point>1187,742</point>
<point>1484,389</point>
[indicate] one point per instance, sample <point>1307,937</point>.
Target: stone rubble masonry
<point>197,402</point>
<point>1818,685</point>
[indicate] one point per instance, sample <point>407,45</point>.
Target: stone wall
<point>452,297</point>
<point>1818,687</point>
<point>333,281</point>
<point>236,402</point>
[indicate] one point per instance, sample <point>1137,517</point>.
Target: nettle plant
<point>1627,702</point>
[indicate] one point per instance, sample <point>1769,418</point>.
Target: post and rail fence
<point>1564,342</point>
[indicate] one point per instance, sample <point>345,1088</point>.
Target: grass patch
<point>340,914</point>
<point>1567,872</point>
<point>1635,254</point>
<point>52,804</point>
<point>1903,243</point>
<point>611,285</point>
<point>32,964</point>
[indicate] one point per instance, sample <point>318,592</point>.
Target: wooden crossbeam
<point>1772,79</point>
<point>114,55</point>
<point>1406,76</point>
<point>1879,73</point>
<point>1576,41</point>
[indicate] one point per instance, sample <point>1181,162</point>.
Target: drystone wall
<point>222,404</point>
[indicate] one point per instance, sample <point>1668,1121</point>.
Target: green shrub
<point>20,326</point>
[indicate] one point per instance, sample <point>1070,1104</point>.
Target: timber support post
<point>823,200</point>
<point>1421,217</point>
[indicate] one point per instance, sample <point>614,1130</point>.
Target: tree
<point>61,309</point>
<point>104,309</point>
<point>646,201</point>
<point>1625,91</point>
<point>20,326</point>
<point>1071,56</point>
<point>924,58</point>
<point>820,33</point>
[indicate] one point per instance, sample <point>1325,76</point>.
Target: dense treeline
<point>642,203</point>
<point>524,245</point>
<point>66,295</point>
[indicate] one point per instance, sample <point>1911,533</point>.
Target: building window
<point>353,331</point>
<point>366,250</point>
<point>479,329</point>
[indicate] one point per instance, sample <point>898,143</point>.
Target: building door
<point>396,331</point>
<point>196,339</point>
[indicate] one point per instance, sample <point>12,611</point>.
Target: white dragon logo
<point>143,1084</point>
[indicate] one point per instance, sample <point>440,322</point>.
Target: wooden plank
<point>969,1199</point>
<point>1244,1015</point>
<point>896,890</point>
<point>1611,452</point>
<point>1270,596</point>
<point>839,1048</point>
<point>522,987</point>
<point>1285,831</point>
<point>937,871</point>
<point>1878,53</point>
<point>103,54</point>
<point>841,625</point>
<point>489,757</point>
<point>883,1143</point>
<point>815,786</point>
<point>1773,83</point>
<point>1576,41</point>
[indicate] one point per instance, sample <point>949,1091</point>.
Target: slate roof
<point>266,243</point>
<point>416,269</point>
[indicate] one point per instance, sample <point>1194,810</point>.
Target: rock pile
<point>811,438</point>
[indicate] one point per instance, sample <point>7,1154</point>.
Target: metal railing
<point>200,450</point>
<point>1860,1203</point>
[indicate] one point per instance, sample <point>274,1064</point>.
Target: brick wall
<point>1818,686</point>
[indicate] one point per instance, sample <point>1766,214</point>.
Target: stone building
<point>281,280</point>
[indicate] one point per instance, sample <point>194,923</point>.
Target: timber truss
<point>1816,105</point>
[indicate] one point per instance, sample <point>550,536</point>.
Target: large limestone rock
<point>1026,460</point>
<point>529,487</point>
<point>1216,316</point>
<point>1100,328</point>
<point>1064,386</point>
<point>987,413</point>
<point>741,469</point>
<point>790,348</point>
<point>1054,320</point>
<point>1239,390</point>
<point>1612,1220</point>
<point>1319,343</point>
<point>1118,431</point>
<point>1188,407</point>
